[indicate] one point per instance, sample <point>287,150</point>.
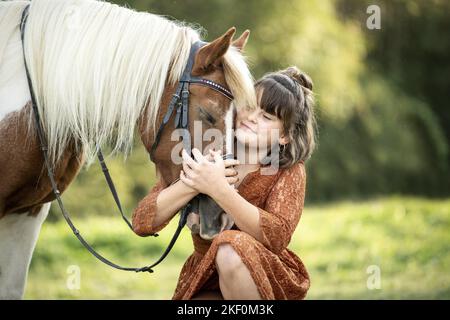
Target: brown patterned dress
<point>277,271</point>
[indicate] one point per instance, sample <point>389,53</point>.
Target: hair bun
<point>302,78</point>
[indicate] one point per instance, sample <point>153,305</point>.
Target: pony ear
<point>240,42</point>
<point>213,51</point>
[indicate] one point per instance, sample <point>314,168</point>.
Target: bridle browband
<point>180,101</point>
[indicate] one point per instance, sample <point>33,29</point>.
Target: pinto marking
<point>18,237</point>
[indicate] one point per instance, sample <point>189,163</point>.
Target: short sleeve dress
<point>277,271</point>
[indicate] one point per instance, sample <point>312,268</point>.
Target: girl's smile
<point>246,126</point>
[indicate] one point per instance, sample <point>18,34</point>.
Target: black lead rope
<point>57,193</point>
<point>111,185</point>
<point>112,188</point>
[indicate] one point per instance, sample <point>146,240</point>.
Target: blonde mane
<point>95,66</point>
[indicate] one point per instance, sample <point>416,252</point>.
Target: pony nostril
<point>227,222</point>
<point>209,235</point>
<point>193,222</point>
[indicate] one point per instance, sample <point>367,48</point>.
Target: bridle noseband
<point>180,101</point>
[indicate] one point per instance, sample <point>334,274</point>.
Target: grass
<point>406,239</point>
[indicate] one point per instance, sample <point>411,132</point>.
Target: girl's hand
<point>206,176</point>
<point>230,171</point>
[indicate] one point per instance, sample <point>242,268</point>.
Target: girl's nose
<point>252,116</point>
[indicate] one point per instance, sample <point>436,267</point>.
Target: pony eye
<point>207,116</point>
<point>210,119</point>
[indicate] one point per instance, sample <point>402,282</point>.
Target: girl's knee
<point>227,260</point>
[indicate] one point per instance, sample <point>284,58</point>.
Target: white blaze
<point>229,130</point>
<point>18,237</point>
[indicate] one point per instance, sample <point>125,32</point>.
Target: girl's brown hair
<point>288,95</point>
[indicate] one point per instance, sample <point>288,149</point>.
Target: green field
<point>408,239</point>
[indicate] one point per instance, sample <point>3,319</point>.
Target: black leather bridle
<point>179,101</point>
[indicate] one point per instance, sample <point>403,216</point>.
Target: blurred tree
<point>412,48</point>
<point>411,53</point>
<point>381,94</point>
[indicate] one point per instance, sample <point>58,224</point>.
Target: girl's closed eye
<point>266,116</point>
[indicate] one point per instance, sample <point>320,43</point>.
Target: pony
<point>100,74</point>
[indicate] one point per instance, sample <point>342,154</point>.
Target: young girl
<point>250,261</point>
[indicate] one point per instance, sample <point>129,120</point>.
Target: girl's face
<point>259,129</point>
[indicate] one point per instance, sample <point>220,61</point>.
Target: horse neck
<point>147,131</point>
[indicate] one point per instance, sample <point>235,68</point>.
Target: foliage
<point>381,94</point>
<point>407,238</point>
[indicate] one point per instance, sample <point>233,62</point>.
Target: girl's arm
<point>159,206</point>
<point>272,225</point>
<point>156,210</point>
<point>211,178</point>
<point>171,200</point>
<point>245,215</point>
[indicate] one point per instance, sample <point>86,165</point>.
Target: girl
<point>250,261</point>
